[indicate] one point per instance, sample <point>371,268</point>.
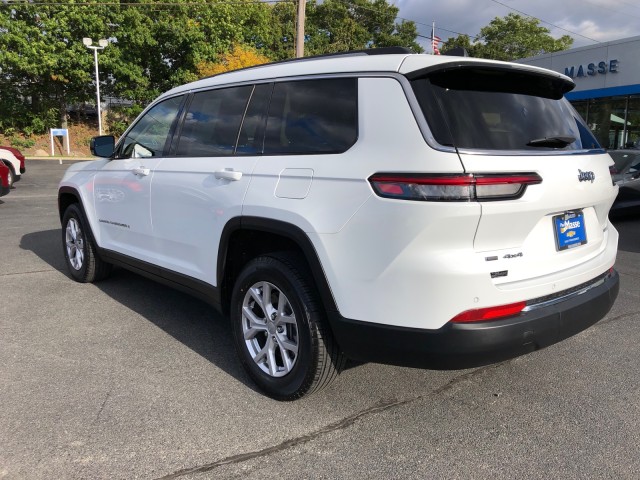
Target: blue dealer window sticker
<point>570,230</point>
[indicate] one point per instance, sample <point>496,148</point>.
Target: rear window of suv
<point>496,109</point>
<point>312,116</point>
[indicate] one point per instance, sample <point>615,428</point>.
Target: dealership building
<point>607,92</point>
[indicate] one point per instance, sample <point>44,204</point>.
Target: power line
<point>405,19</point>
<point>627,3</point>
<point>609,9</point>
<point>543,21</point>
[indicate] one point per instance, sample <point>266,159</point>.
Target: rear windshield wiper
<point>552,142</point>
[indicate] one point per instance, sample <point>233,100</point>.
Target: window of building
<point>633,123</point>
<point>312,116</point>
<point>212,122</point>
<point>582,107</point>
<point>606,119</point>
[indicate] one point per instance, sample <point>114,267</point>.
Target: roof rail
<point>366,51</point>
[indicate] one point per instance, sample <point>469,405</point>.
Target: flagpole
<point>433,38</point>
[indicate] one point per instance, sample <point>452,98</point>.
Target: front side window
<point>149,135</point>
<point>212,122</point>
<point>496,109</point>
<point>312,116</point>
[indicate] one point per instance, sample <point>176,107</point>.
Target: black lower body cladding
<point>467,345</point>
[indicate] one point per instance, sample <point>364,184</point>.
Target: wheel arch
<point>244,238</point>
<point>66,197</point>
<point>10,165</point>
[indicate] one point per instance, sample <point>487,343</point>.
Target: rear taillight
<point>462,187</point>
<point>489,313</point>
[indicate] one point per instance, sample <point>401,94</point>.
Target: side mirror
<point>103,146</point>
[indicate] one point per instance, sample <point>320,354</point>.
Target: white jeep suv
<point>431,211</point>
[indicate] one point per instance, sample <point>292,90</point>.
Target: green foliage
<point>461,41</point>
<point>239,57</point>
<point>45,68</point>
<point>341,25</point>
<point>510,38</point>
<point>21,142</point>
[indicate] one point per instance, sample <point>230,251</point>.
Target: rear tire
<point>280,329</point>
<point>79,248</point>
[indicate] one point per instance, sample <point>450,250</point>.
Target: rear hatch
<point>503,120</point>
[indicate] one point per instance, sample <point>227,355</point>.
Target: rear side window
<point>312,116</point>
<point>495,109</point>
<point>212,122</point>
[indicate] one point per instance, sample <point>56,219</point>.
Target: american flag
<point>435,40</point>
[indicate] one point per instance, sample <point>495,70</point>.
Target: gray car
<point>626,174</point>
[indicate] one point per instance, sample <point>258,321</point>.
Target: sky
<point>587,21</point>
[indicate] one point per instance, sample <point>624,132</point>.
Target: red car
<point>13,158</point>
<point>4,179</point>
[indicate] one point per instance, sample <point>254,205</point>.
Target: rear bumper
<point>467,345</point>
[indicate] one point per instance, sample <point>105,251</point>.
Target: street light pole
<point>89,44</point>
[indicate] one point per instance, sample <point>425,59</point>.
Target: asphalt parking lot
<point>130,379</point>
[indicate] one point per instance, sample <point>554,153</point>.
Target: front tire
<point>280,329</point>
<point>79,248</point>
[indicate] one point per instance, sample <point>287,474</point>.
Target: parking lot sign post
<point>59,132</point>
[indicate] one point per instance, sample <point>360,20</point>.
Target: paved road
<point>129,379</point>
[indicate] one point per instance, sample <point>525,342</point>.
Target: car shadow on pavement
<point>46,245</point>
<point>189,320</point>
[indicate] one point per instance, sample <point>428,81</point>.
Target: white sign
<point>59,132</point>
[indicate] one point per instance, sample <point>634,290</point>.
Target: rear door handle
<point>228,175</point>
<point>142,171</point>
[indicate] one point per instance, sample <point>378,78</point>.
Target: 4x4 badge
<point>586,176</point>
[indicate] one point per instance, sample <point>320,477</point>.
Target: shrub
<point>22,143</point>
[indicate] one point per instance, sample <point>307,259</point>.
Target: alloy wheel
<point>270,329</point>
<point>74,244</point>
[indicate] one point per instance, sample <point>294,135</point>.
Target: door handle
<point>142,171</point>
<point>228,175</point>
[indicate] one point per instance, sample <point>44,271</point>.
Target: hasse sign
<point>592,69</point>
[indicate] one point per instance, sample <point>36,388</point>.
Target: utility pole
<point>302,7</point>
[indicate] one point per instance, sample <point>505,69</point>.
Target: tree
<point>461,41</point>
<point>240,56</point>
<point>44,67</point>
<point>183,35</point>
<point>341,25</point>
<point>510,38</point>
<point>155,46</point>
